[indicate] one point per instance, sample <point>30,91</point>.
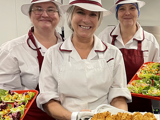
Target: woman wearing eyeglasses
<point>21,58</point>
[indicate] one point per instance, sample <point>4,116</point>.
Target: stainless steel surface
<point>155,30</point>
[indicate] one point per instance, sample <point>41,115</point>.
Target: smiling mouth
<point>87,28</point>
<point>127,18</point>
<point>45,20</point>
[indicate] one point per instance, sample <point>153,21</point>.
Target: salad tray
<point>153,83</point>
<point>16,103</point>
<point>29,102</point>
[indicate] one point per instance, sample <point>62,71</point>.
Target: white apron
<point>84,84</point>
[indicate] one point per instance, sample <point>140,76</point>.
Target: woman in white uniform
<point>87,72</point>
<point>21,58</point>
<point>136,45</point>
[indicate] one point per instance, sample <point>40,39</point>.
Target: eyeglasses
<point>49,11</point>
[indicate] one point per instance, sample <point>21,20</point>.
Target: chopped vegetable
<point>12,104</point>
<point>148,82</point>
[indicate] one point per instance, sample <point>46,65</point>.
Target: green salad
<point>148,82</point>
<point>13,104</point>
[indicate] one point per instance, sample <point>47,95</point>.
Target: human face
<point>127,15</point>
<point>84,22</point>
<point>44,21</point>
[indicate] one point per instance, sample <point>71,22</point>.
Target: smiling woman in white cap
<point>136,45</point>
<point>87,72</point>
<point>21,58</point>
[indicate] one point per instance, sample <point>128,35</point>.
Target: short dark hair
<point>30,9</point>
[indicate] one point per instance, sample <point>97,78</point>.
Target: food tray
<point>135,77</point>
<point>113,110</point>
<point>29,102</point>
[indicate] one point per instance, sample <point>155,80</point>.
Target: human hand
<point>84,114</point>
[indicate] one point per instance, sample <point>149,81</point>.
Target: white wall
<point>14,24</point>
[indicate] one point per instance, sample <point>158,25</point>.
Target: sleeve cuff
<point>74,115</point>
<point>115,92</point>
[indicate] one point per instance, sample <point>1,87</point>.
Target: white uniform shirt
<point>82,83</point>
<point>150,45</point>
<point>19,67</point>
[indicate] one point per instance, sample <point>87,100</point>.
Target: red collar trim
<point>95,50</point>
<point>140,40</point>
<point>104,49</point>
<point>64,49</point>
<point>133,38</point>
<point>112,32</point>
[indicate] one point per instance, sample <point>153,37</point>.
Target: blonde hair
<point>69,14</point>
